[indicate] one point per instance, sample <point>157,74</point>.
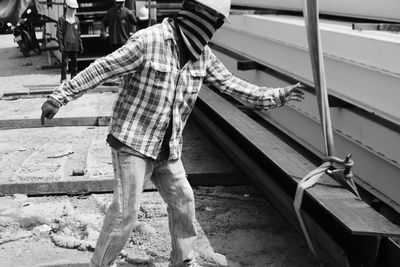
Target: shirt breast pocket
<point>159,73</point>
<point>197,77</point>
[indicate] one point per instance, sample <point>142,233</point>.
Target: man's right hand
<point>294,92</point>
<point>49,109</point>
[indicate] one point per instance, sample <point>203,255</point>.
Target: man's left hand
<point>294,92</point>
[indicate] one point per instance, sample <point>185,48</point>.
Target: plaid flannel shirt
<point>155,88</point>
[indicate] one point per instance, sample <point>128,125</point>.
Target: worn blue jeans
<point>169,177</point>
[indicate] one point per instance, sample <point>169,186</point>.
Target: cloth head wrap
<point>196,26</point>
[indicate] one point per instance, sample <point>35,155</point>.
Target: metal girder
<point>361,68</point>
<point>375,148</point>
<point>370,9</point>
<point>345,230</point>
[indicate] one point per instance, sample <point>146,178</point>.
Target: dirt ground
<point>235,229</point>
<point>236,226</point>
<point>18,73</point>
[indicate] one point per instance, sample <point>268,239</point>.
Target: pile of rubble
<point>21,218</point>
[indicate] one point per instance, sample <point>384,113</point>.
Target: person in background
<point>119,20</point>
<point>164,68</point>
<point>69,39</point>
<point>143,19</point>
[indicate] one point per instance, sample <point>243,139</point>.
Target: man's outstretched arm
<point>119,63</point>
<point>261,97</point>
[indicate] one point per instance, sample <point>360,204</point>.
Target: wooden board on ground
<point>86,110</point>
<point>39,90</point>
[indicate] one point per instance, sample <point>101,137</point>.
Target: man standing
<point>69,39</point>
<point>164,67</point>
<point>119,21</point>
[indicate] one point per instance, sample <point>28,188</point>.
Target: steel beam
<point>375,147</point>
<point>369,9</point>
<point>345,230</point>
<point>361,68</point>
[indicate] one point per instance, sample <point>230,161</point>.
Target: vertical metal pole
<point>317,62</point>
<point>149,4</point>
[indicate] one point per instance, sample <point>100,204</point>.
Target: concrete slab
<point>17,147</point>
<point>46,163</point>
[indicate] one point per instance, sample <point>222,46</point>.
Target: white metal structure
<point>371,9</point>
<point>362,68</point>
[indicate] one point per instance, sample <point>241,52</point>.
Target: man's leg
<point>130,174</point>
<point>74,64</point>
<point>170,180</point>
<point>64,66</point>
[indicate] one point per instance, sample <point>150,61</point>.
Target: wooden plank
<point>23,113</point>
<point>58,187</point>
<point>106,185</point>
<point>41,90</point>
<point>295,165</point>
<point>56,122</point>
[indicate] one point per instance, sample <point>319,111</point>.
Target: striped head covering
<point>196,26</point>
